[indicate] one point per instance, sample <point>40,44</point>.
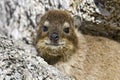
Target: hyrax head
<point>56,35</point>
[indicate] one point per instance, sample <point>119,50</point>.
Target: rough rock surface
<point>17,63</point>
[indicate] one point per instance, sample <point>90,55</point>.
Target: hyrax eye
<point>66,30</point>
<point>45,28</point>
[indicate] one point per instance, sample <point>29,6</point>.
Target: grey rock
<point>19,63</point>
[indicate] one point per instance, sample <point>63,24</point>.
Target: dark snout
<point>54,37</point>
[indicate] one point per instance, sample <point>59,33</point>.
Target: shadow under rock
<point>102,30</point>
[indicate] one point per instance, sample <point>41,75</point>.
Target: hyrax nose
<point>54,36</point>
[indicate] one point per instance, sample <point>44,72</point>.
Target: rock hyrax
<point>89,58</point>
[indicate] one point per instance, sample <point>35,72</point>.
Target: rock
<point>20,63</point>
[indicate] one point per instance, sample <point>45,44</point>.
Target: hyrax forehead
<point>57,17</point>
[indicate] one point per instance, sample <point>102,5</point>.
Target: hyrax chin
<point>93,58</point>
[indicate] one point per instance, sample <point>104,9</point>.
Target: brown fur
<point>83,57</point>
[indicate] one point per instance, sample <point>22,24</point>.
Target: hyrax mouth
<point>55,44</point>
<point>60,43</point>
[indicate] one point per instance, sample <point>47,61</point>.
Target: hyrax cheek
<point>42,42</point>
<point>68,43</point>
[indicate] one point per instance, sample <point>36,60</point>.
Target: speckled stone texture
<point>21,63</point>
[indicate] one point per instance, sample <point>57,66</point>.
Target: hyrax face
<point>56,35</point>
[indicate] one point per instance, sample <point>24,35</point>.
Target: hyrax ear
<point>77,21</point>
<point>38,18</point>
